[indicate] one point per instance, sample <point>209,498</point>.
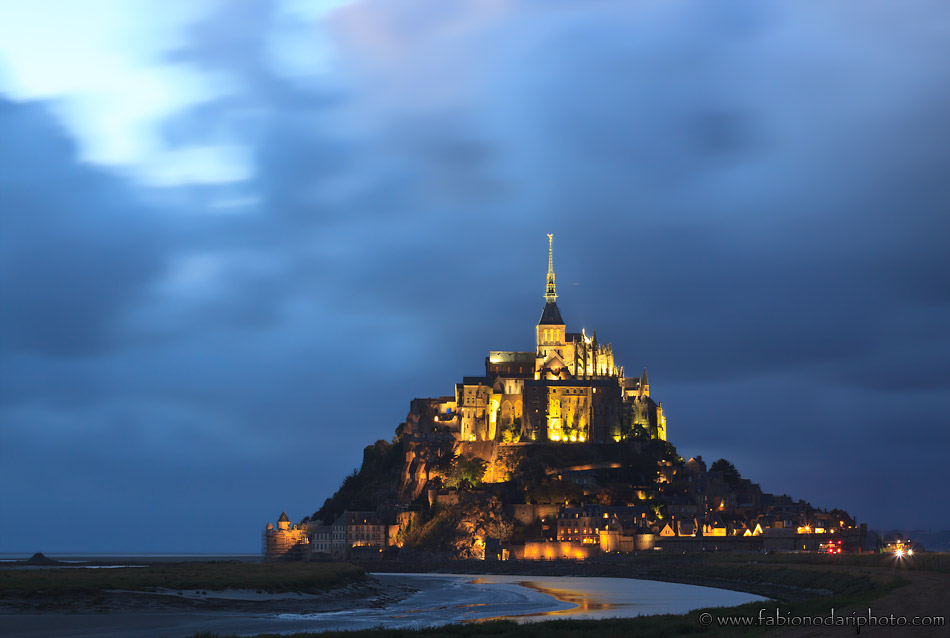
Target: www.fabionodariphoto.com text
<point>778,618</point>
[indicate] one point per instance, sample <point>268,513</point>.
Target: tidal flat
<point>225,599</point>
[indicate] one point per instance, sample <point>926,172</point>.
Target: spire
<point>550,296</point>
<point>550,315</point>
<point>643,378</point>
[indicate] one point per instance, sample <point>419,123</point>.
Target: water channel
<point>452,598</point>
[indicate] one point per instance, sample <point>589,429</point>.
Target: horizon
<point>238,240</point>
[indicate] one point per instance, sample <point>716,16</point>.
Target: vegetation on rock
<point>465,473</point>
<point>729,472</point>
<point>462,529</point>
<point>375,482</point>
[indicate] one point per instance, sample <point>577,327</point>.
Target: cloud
<point>748,199</point>
<point>77,248</point>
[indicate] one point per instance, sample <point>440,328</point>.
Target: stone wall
<point>553,550</point>
<point>527,513</point>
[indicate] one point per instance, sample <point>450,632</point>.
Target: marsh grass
<point>205,576</point>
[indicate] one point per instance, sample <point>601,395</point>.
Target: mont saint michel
<point>384,316</point>
<point>553,453</point>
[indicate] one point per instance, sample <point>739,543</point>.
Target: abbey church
<point>568,389</point>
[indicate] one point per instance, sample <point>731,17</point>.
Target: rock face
<point>503,460</point>
<point>460,530</point>
<point>426,459</point>
<point>421,460</point>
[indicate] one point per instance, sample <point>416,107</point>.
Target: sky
<point>236,239</point>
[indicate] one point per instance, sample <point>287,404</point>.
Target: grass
<point>267,577</point>
<point>921,561</point>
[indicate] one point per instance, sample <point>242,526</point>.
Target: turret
<point>644,384</point>
<point>283,522</point>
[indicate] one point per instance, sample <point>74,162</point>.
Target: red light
<point>839,550</point>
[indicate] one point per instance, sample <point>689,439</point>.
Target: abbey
<point>568,389</point>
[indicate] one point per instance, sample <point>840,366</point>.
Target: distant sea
<point>154,557</point>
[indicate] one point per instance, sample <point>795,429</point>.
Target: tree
<point>606,496</point>
<point>729,472</point>
<point>511,432</point>
<point>554,491</point>
<point>400,430</point>
<point>465,472</point>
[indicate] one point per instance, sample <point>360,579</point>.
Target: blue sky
<point>238,238</point>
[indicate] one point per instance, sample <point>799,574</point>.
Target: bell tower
<point>550,330</point>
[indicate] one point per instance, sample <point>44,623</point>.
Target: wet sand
<point>153,615</point>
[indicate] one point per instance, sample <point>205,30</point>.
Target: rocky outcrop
<point>478,522</point>
<point>421,460</point>
<point>460,530</point>
<point>502,459</point>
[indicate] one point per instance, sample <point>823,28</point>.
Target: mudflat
<point>171,613</point>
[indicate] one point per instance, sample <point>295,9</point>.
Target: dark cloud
<point>749,202</point>
<point>77,249</point>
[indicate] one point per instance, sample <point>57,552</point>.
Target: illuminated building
<point>586,523</point>
<point>286,541</point>
<point>568,389</point>
<point>349,530</point>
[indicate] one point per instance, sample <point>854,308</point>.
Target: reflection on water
<point>614,597</point>
<point>584,601</point>
<point>581,600</point>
